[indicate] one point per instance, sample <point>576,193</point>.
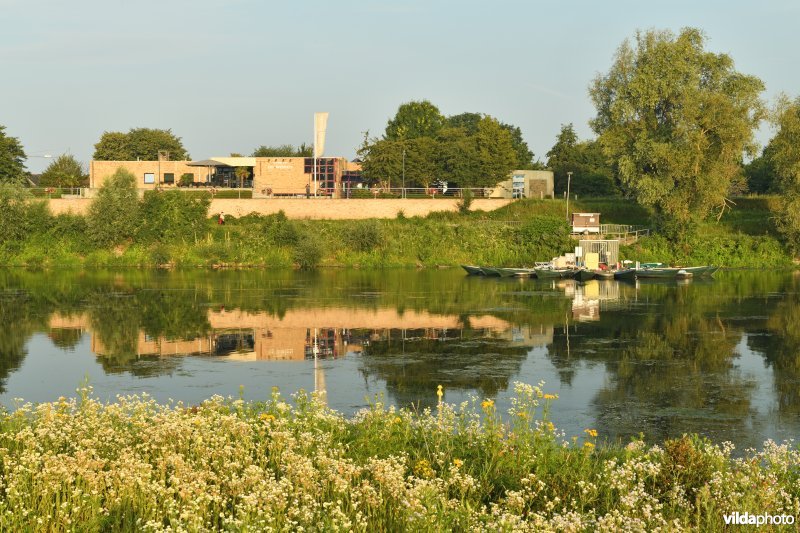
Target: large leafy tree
<point>676,120</point>
<point>591,174</point>
<point>12,159</point>
<point>284,150</point>
<point>785,158</point>
<point>414,119</point>
<point>65,171</point>
<point>470,121</point>
<point>139,143</point>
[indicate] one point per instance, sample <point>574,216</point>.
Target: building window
<point>169,178</point>
<point>149,177</point>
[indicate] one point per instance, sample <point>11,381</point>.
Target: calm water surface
<point>720,358</point>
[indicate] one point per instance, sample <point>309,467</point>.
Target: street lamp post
<point>569,179</point>
<point>404,173</point>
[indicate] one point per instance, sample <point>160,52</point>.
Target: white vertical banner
<point>320,125</point>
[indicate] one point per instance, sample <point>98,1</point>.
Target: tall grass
<point>79,464</point>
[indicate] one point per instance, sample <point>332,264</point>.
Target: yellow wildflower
<point>550,426</point>
<point>487,404</point>
<point>397,420</point>
<point>266,417</point>
<point>551,396</point>
<point>458,463</point>
<point>588,445</point>
<point>439,392</point>
<point>591,432</point>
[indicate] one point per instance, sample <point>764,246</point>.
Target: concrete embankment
<point>316,209</point>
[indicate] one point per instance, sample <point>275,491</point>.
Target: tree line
<point>674,128</point>
<point>420,146</point>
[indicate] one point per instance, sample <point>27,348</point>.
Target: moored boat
<point>705,270</point>
<point>604,274</point>
<point>490,271</point>
<point>473,270</point>
<point>584,274</point>
<point>554,273</point>
<point>627,273</point>
<point>514,272</point>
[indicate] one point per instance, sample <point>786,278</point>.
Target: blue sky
<point>230,75</point>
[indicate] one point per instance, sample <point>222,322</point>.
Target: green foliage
<point>465,202</point>
<point>420,147</point>
<point>12,159</point>
<point>675,120</point>
<point>469,122</point>
<point>591,174</point>
<point>308,252</point>
<point>20,218</point>
<point>414,119</point>
<point>284,150</point>
<point>65,171</point>
<point>139,143</point>
<point>113,215</point>
<point>186,180</point>
<point>168,216</point>
<point>544,237</point>
<point>785,157</point>
<point>365,235</point>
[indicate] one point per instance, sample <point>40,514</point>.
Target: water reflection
<point>721,358</point>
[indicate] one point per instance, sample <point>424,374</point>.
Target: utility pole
<point>404,174</point>
<point>569,179</point>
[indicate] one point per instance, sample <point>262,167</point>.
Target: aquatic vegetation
<point>297,465</point>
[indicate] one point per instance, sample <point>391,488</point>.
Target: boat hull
<point>584,275</point>
<point>490,271</point>
<point>473,270</point>
<point>555,273</point>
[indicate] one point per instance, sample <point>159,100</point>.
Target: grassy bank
<point>518,234</point>
<point>226,464</point>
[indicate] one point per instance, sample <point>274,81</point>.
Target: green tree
<point>139,143</point>
<point>284,150</point>
<point>421,167</point>
<point>760,173</point>
<point>496,154</point>
<point>21,218</point>
<point>65,171</point>
<point>168,216</point>
<point>785,157</point>
<point>469,122</point>
<point>113,215</point>
<point>591,174</point>
<point>12,159</point>
<point>676,121</point>
<point>381,160</point>
<point>414,119</point>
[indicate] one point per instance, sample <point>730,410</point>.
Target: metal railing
<point>624,232</point>
<point>293,192</point>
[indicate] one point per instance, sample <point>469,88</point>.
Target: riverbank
<point>228,464</point>
<point>518,234</point>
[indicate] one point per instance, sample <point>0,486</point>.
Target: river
<point>720,357</point>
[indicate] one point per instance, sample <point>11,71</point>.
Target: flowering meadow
<point>296,465</point>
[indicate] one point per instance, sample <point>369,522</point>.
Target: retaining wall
<point>318,209</point>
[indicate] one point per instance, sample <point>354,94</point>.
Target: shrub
<point>365,235</point>
<point>171,216</point>
<point>19,217</point>
<point>544,237</point>
<point>308,252</point>
<point>113,214</point>
<point>465,202</point>
<point>283,232</point>
<point>186,180</point>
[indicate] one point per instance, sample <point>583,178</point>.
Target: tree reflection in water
<point>669,354</point>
